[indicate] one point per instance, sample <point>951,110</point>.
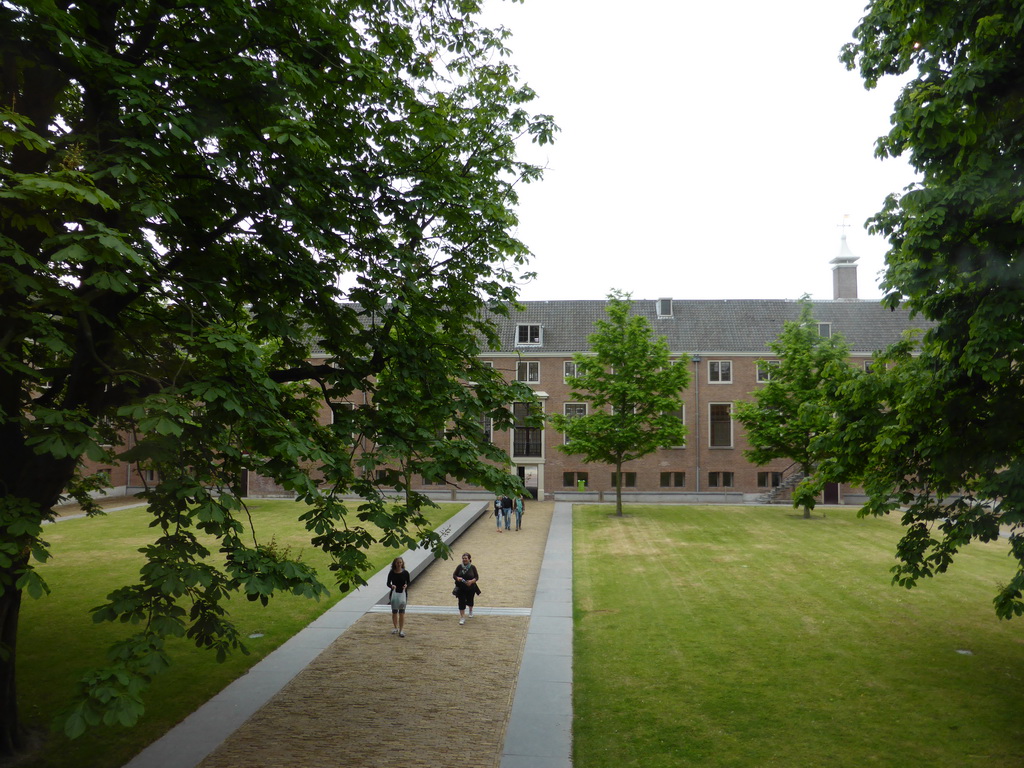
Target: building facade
<point>724,340</point>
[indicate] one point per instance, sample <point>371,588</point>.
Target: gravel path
<point>441,696</point>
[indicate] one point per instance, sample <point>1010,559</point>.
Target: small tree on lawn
<point>634,390</point>
<point>792,409</point>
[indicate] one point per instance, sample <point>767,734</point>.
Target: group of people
<point>466,590</point>
<point>465,575</point>
<point>504,507</point>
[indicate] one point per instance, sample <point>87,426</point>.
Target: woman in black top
<point>466,589</point>
<point>398,580</point>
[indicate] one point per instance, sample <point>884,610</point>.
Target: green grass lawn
<point>59,642</point>
<point>747,637</point>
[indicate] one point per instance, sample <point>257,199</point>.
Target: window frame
<point>383,476</point>
<point>764,370</point>
<point>682,420</point>
<point>530,439</point>
<point>346,405</point>
<point>531,366</point>
<point>712,421</point>
<point>630,478</point>
<point>576,476</point>
<point>532,339</point>
<point>565,370</point>
<point>673,479</point>
<point>565,412</point>
<point>718,365</point>
<point>718,478</point>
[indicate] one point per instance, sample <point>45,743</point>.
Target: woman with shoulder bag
<point>399,580</point>
<point>466,589</point>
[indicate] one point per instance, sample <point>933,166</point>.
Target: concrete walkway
<point>344,691</point>
<point>539,733</point>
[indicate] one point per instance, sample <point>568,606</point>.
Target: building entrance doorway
<point>831,493</point>
<point>530,475</point>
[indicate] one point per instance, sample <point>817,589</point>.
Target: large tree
<point>633,389</point>
<point>947,441</point>
<point>194,197</point>
<point>792,410</point>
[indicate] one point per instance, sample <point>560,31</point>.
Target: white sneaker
<point>401,634</point>
<point>469,615</point>
<point>461,622</point>
<point>394,631</point>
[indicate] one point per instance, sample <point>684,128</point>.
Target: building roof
<point>698,326</point>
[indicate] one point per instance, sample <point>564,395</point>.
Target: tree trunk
<point>39,480</point>
<point>807,470</point>
<point>618,488</point>
<point>12,735</point>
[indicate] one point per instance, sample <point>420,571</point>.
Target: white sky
<point>708,150</point>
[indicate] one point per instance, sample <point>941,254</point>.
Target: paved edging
<point>539,732</point>
<point>195,737</point>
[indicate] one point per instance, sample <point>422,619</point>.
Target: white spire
<point>844,269</point>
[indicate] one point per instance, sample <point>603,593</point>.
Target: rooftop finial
<point>844,226</point>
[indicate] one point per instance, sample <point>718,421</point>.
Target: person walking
<point>497,512</point>
<point>399,580</point>
<point>466,589</point>
<point>506,511</point>
<point>519,512</point>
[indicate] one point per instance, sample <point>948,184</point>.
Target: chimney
<point>844,272</point>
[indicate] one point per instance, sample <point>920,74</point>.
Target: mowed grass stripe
<point>746,636</point>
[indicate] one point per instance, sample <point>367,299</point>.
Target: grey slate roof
<point>734,326</point>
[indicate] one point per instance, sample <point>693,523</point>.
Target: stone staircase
<point>789,482</point>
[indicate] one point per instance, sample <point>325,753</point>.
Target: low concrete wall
<point>606,497</point>
<point>417,560</point>
<point>457,495</point>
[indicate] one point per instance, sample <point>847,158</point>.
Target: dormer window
<point>825,330</point>
<point>528,334</point>
<point>664,307</point>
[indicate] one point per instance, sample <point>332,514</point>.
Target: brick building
<point>724,340</point>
